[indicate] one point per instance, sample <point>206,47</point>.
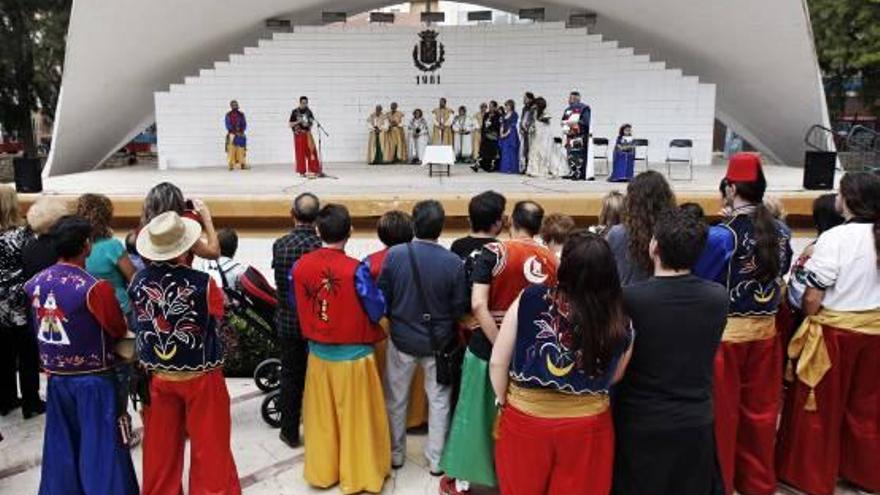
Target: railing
<point>861,150</point>
<point>819,137</point>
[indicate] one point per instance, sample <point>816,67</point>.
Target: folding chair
<point>641,144</point>
<point>603,144</point>
<point>680,151</point>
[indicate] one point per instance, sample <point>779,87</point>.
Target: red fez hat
<point>743,167</point>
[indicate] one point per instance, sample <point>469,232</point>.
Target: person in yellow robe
<point>376,146</point>
<point>476,133</point>
<point>442,124</point>
<point>395,136</point>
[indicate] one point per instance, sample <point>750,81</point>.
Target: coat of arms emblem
<point>428,54</point>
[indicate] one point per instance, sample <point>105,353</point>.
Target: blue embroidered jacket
<point>750,296</point>
<point>547,354</point>
<point>236,124</point>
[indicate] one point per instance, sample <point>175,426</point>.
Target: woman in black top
<point>663,407</point>
<point>18,346</point>
<point>489,152</point>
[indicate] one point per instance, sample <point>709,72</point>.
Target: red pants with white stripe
<point>842,437</point>
<point>197,408</point>
<point>306,155</point>
<point>552,456</point>
<point>748,386</point>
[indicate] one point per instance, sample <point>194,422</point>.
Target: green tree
<point>847,34</point>
<point>31,61</point>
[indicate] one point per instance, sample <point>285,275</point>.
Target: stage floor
<point>260,197</point>
<point>352,179</point>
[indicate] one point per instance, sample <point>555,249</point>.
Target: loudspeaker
<point>28,175</point>
<point>819,169</point>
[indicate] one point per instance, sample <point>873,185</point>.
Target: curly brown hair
<point>98,210</point>
<point>556,228</point>
<point>648,196</point>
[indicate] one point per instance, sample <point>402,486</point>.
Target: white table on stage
<point>439,156</point>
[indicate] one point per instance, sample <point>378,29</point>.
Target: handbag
<point>448,356</point>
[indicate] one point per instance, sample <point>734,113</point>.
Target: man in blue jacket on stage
<point>576,127</point>
<point>236,141</point>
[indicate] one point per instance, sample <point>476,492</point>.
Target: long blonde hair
<point>10,214</point>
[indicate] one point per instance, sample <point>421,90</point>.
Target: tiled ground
<point>265,465</point>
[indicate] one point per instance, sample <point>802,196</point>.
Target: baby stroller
<point>252,305</point>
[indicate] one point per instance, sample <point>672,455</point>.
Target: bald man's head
<point>528,216</point>
<point>305,208</point>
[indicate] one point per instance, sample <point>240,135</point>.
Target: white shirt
<point>231,268</point>
<point>844,264</point>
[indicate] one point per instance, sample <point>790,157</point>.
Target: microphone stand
<point>323,131</point>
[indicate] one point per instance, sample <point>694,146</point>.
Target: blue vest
<point>174,330</point>
<point>69,337</point>
<point>748,295</point>
<point>547,353</point>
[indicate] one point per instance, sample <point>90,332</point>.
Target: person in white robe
<point>417,128</point>
<point>462,127</point>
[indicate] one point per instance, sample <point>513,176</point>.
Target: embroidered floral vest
<point>327,301</point>
<point>69,338</point>
<point>750,296</point>
<point>175,331</point>
<point>547,354</point>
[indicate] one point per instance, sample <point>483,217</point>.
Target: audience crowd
<point>651,353</point>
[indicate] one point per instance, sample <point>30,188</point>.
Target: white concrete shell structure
<point>759,54</point>
<point>347,70</point>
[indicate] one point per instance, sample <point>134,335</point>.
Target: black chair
<point>675,154</point>
<point>641,144</point>
<point>603,144</point>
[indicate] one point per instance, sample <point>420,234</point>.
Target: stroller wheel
<point>267,375</point>
<point>271,409</point>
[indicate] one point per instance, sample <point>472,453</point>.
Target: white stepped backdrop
<point>346,71</point>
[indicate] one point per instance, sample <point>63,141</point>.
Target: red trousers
<point>748,388</point>
<point>554,456</point>
<point>842,437</point>
<point>198,408</point>
<point>306,155</point>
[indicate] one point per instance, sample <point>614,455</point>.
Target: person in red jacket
<point>339,307</point>
<point>394,227</point>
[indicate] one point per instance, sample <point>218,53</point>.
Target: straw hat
<point>45,211</point>
<point>168,236</point>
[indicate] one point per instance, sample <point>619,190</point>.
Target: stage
<point>260,197</point>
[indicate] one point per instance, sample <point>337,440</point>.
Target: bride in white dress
<point>541,143</point>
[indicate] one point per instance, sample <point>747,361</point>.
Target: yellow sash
<point>544,403</point>
<point>741,329</point>
<point>179,376</point>
<point>808,347</point>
